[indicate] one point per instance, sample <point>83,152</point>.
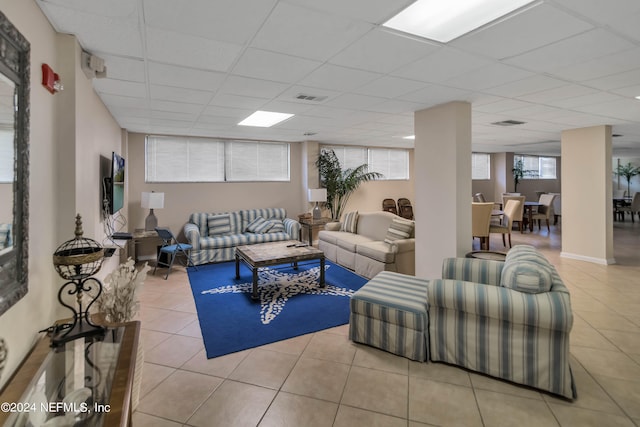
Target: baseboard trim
<point>601,261</point>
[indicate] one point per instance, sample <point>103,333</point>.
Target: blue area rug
<point>291,303</point>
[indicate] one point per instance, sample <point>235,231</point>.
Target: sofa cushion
<point>277,226</point>
<point>248,215</point>
<point>350,222</point>
<point>350,241</point>
<point>219,225</point>
<point>380,251</point>
<point>526,270</point>
<point>219,242</point>
<point>259,226</point>
<point>399,229</point>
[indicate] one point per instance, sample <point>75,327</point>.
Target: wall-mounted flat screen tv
<point>116,190</point>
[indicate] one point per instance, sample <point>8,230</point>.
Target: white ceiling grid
<point>198,67</point>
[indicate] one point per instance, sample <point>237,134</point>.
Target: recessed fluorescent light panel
<point>638,97</point>
<point>445,20</point>
<point>265,119</point>
<point>409,137</point>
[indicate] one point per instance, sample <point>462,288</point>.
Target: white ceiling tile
<point>288,107</point>
<point>373,11</point>
<point>190,96</point>
<point>628,91</point>
<point>628,109</point>
<point>390,87</point>
<point>272,66</point>
<point>338,78</point>
<point>290,94</point>
<point>616,81</point>
<point>558,93</point>
<point>383,51</point>
<point>177,107</point>
<point>237,113</point>
<point>236,101</point>
<point>179,76</point>
<point>502,106</point>
<point>245,86</point>
<point>441,65</point>
<point>623,15</point>
<point>234,21</point>
<point>496,41</point>
<point>589,99</point>
<point>190,51</point>
<point>119,87</point>
<point>580,48</point>
<point>307,33</point>
<point>354,102</point>
<point>120,68</point>
<point>396,107</point>
<point>525,86</point>
<point>123,101</point>
<point>435,94</point>
<point>489,76</point>
<point>602,66</point>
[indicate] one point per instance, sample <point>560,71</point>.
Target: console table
<point>88,381</point>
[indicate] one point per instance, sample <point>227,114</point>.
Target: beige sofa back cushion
<point>375,224</point>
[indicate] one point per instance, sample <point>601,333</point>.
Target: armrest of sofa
<point>549,310</point>
<point>404,245</point>
<point>292,228</point>
<point>332,226</point>
<point>192,233</point>
<point>472,270</point>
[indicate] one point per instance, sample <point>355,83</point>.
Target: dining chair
<point>504,228</point>
<point>389,205</point>
<point>545,211</point>
<point>519,214</point>
<point>171,248</point>
<point>557,208</point>
<point>405,210</point>
<point>479,198</point>
<point>633,208</point>
<point>619,194</point>
<point>480,222</point>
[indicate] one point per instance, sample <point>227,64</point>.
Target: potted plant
<point>340,184</point>
<point>520,172</point>
<point>628,171</point>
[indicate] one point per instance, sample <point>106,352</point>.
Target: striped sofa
<point>218,246</point>
<point>509,319</point>
<point>390,312</point>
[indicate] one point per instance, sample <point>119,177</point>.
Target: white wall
<point>58,184</point>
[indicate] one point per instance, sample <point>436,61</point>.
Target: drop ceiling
<point>199,67</point>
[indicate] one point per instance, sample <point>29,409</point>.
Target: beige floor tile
<point>177,397</point>
<point>146,420</point>
<point>586,336</point>
<point>149,339</point>
<point>191,330</point>
<point>333,347</point>
<point>295,345</point>
<point>152,375</point>
<point>369,357</point>
<point>580,417</point>
<point>188,307</point>
<point>626,393</point>
<point>610,321</point>
<point>628,342</point>
<point>440,372</point>
<point>170,301</point>
<point>170,322</point>
<point>442,404</point>
<point>174,351</point>
<point>320,379</point>
<point>233,404</point>
<point>264,368</point>
<point>376,391</point>
<point>221,366</point>
<point>350,417</point>
<point>506,410</point>
<point>292,410</point>
<point>608,363</point>
<point>148,313</point>
<point>339,330</point>
<point>485,382</point>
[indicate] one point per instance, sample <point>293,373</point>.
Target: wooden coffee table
<point>275,253</point>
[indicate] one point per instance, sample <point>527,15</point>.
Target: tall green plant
<point>628,171</point>
<point>340,184</point>
<point>520,172</point>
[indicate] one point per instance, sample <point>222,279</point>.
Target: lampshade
<point>317,194</point>
<point>153,200</point>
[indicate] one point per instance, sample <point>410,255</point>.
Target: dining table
<point>528,212</point>
<point>619,202</point>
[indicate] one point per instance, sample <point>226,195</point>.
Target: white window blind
<point>539,167</point>
<point>349,157</point>
<point>184,159</point>
<point>480,166</point>
<point>547,168</point>
<point>6,155</point>
<point>393,164</point>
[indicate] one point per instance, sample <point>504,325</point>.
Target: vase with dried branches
<point>118,301</point>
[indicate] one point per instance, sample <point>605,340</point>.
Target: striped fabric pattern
<point>520,337</point>
<point>399,229</point>
<point>526,270</point>
<point>390,312</point>
<point>219,224</point>
<point>277,226</point>
<point>259,226</point>
<point>350,222</point>
<point>473,270</point>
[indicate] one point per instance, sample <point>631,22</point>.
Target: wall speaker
<point>93,66</point>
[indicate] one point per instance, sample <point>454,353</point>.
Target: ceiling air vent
<point>312,98</point>
<point>309,133</point>
<point>508,123</point>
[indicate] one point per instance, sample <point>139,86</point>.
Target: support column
<point>442,185</point>
<point>587,209</point>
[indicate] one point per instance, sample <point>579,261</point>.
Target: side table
<point>490,255</point>
<point>141,237</point>
<point>311,224</point>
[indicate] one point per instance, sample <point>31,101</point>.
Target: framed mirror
<point>14,164</point>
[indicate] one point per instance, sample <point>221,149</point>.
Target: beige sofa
<point>366,251</point>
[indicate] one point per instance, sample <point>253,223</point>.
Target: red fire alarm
<point>50,80</point>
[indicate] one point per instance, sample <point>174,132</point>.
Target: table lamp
<point>317,195</point>
<point>152,201</point>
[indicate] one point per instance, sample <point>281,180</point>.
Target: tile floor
<point>323,379</point>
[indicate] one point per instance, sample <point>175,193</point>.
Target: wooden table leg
<point>254,289</point>
<point>237,266</point>
<point>322,272</point>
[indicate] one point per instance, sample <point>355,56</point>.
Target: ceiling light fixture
<point>409,137</point>
<point>444,21</point>
<point>638,97</point>
<point>265,119</point>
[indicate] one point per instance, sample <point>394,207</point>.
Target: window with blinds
<point>185,159</point>
<point>392,163</point>
<point>480,166</point>
<point>539,167</point>
<point>6,156</point>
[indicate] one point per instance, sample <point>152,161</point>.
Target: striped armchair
<point>509,319</point>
